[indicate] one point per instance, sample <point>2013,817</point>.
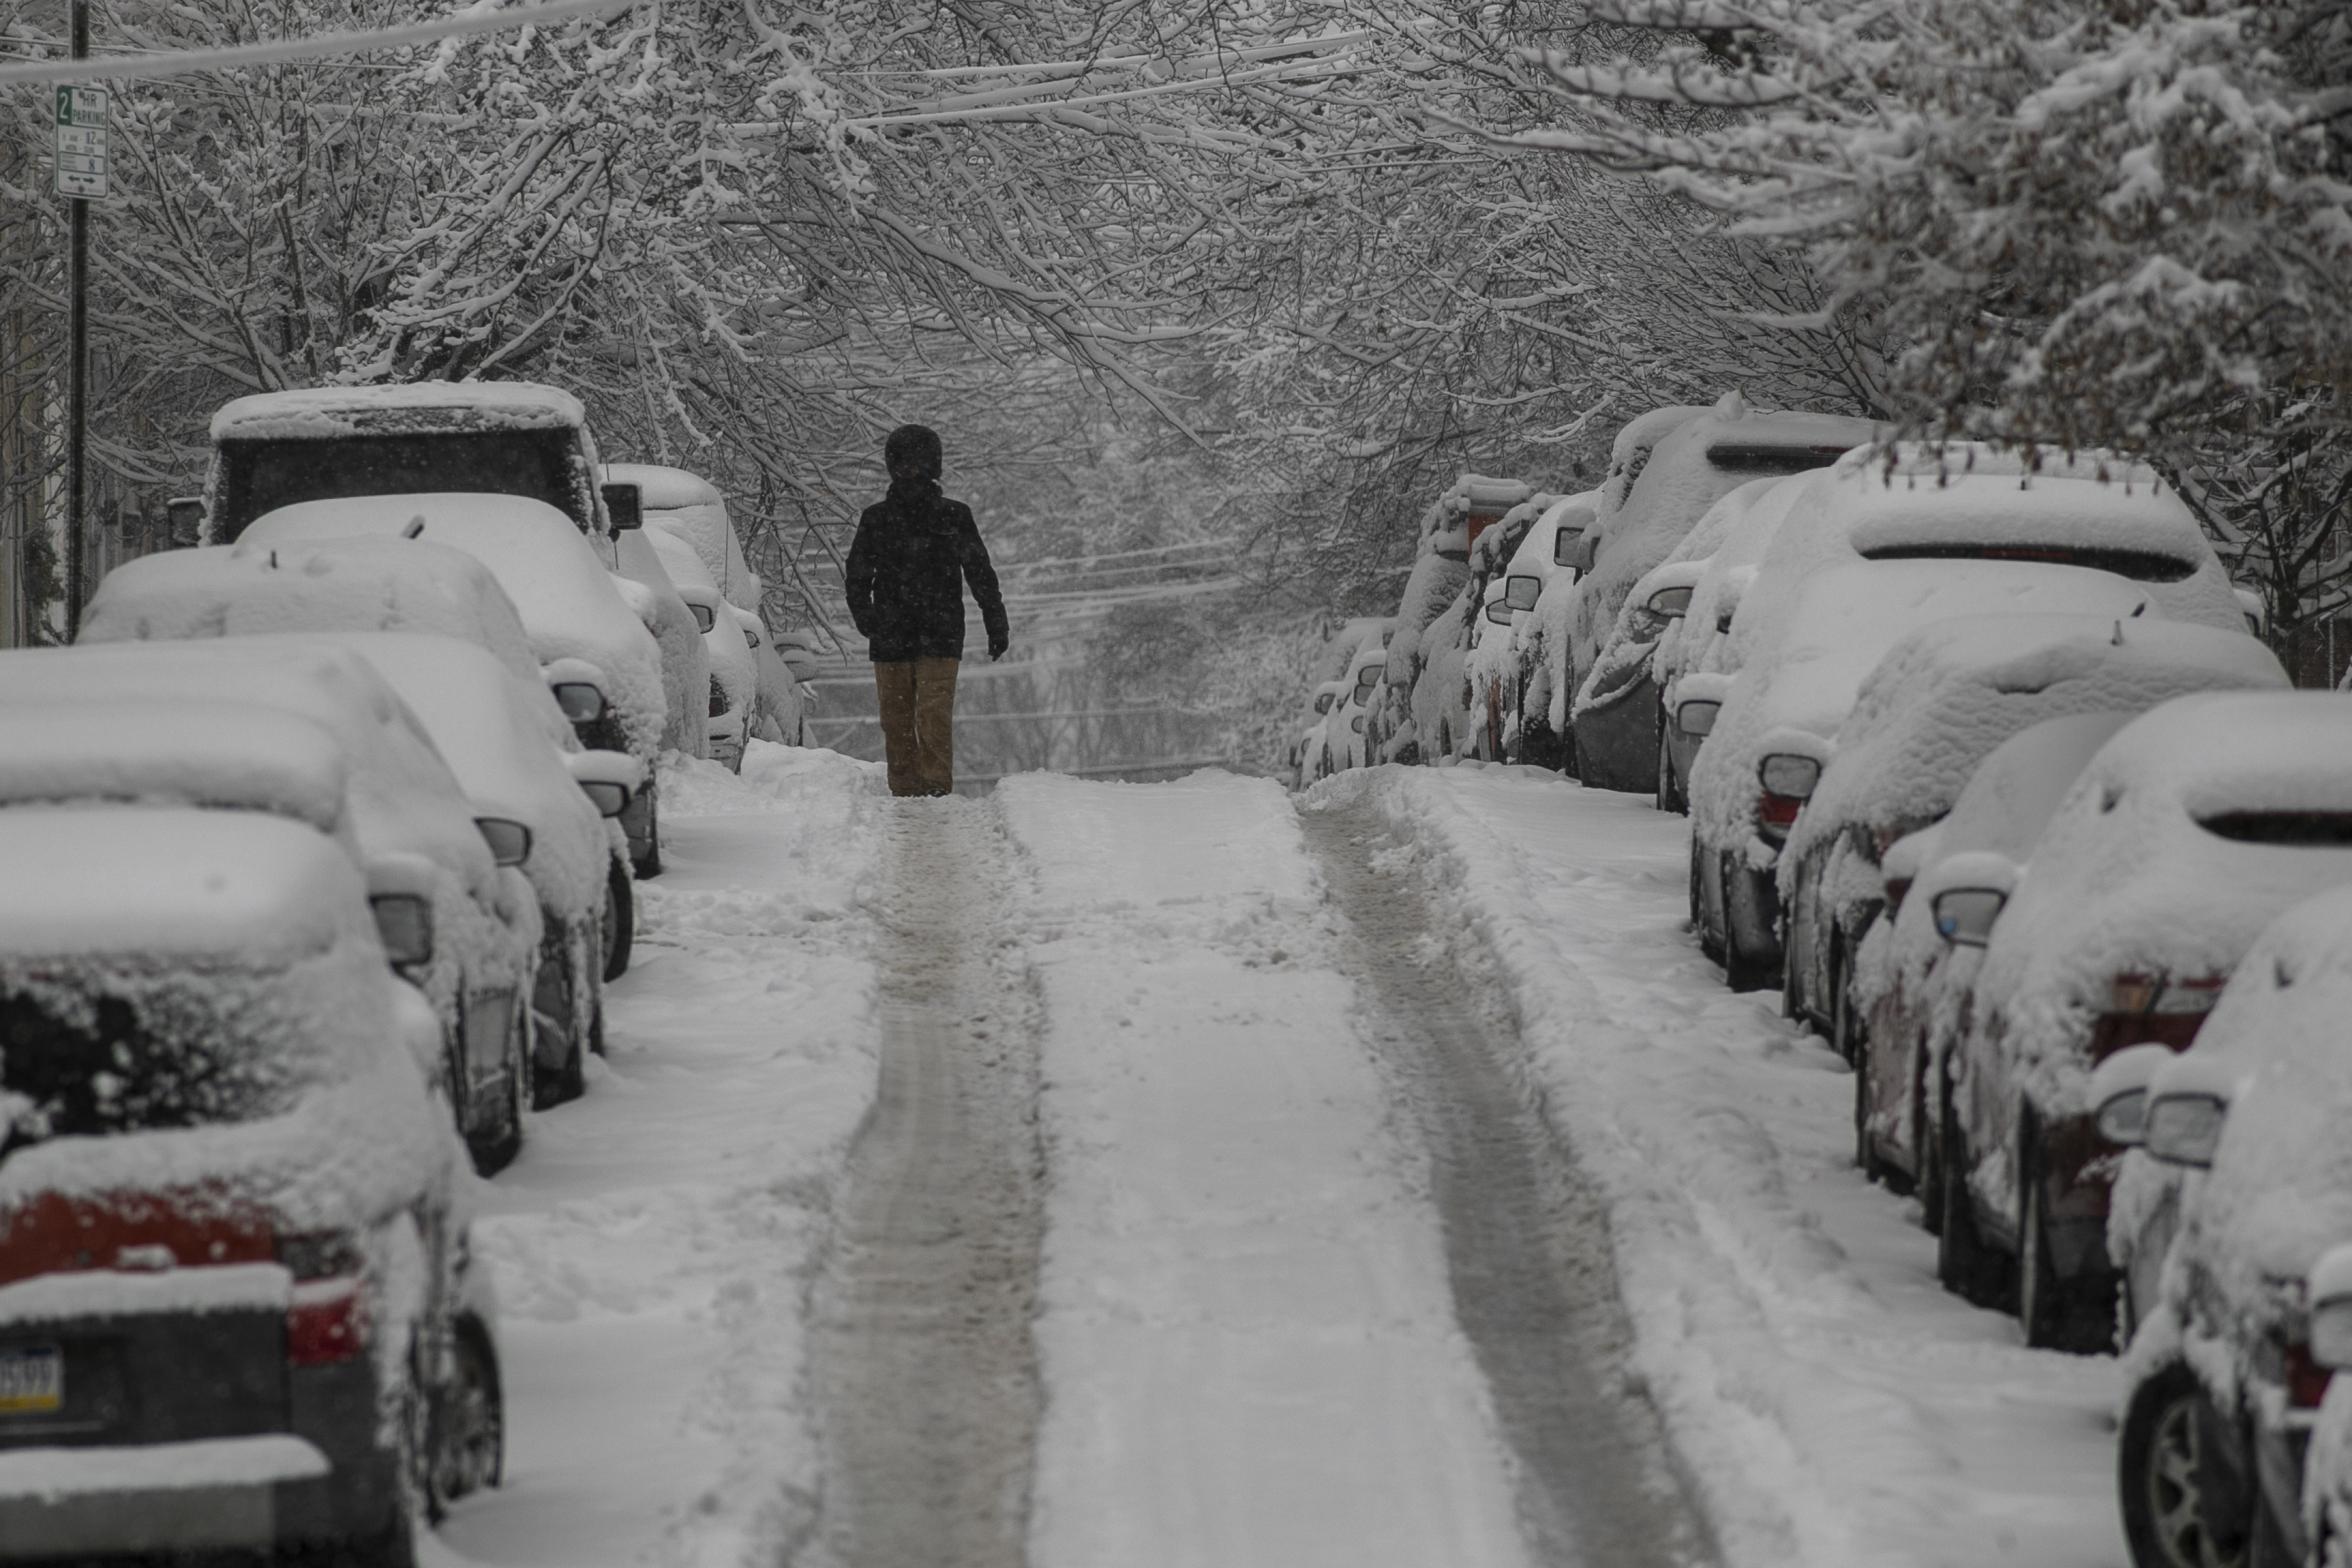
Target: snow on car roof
<point>309,584</point>
<point>327,412</point>
<point>2018,787</point>
<point>569,602</point>
<point>401,790</point>
<point>1793,694</point>
<point>2280,1190</point>
<point>206,886</point>
<point>204,753</point>
<point>503,738</point>
<point>1947,694</point>
<point>2130,878</point>
<point>2063,504</point>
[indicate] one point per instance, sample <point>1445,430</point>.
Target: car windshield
<point>260,476</point>
<point>2139,565</point>
<point>2293,829</point>
<point>78,1059</point>
<point>1761,457</point>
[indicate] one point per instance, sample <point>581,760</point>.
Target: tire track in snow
<point>924,1366</point>
<point>1527,1242</point>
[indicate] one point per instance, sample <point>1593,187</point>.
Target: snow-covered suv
<point>237,1307</point>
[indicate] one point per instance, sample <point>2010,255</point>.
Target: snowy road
<point>1317,1281</point>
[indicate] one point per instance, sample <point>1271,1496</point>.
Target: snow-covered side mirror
<point>1696,717</point>
<point>609,779</point>
<point>2330,1294</point>
<point>1522,592</point>
<point>400,896</point>
<point>705,617</point>
<point>2187,1101</point>
<point>1498,611</point>
<point>579,690</point>
<point>2119,1092</point>
<point>1965,916</point>
<point>1789,775</point>
<point>509,841</point>
<point>1671,603</point>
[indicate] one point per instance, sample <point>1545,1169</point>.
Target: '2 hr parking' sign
<point>81,142</point>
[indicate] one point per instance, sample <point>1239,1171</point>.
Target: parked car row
<point>320,848</point>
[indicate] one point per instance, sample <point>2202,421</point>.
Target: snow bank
<point>1832,1405</point>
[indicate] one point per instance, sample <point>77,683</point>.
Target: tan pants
<point>917,698</point>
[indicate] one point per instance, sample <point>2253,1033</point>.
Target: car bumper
<point>213,1494</point>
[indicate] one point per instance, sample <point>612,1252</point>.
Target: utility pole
<point>78,346</point>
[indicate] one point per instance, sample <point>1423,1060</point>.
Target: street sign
<point>81,142</point>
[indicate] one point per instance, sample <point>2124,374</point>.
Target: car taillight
<point>718,698</point>
<point>50,1233</point>
<point>328,1321</point>
<point>1778,810</point>
<point>2306,1379</point>
<point>2144,993</point>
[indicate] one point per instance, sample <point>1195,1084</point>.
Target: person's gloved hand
<point>997,643</point>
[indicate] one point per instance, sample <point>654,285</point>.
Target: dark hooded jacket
<point>914,551</point>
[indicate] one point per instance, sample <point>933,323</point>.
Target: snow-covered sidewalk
<point>1833,1404</point>
<point>652,1245</point>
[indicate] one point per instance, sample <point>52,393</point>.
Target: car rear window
<point>1763,458</point>
<point>72,1064</point>
<point>2139,565</point>
<point>2293,829</point>
<point>258,475</point>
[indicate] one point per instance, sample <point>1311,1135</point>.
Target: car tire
<point>620,920</point>
<point>499,1145</point>
<point>1849,1035</point>
<point>2174,1516</point>
<point>2057,1314</point>
<point>1931,1159</point>
<point>1740,972</point>
<point>1865,1153</point>
<point>651,864</point>
<point>567,1081</point>
<point>1969,1266</point>
<point>466,1435</point>
<point>392,1546</point>
<point>1697,914</point>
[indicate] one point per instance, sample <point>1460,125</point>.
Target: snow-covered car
<point>1553,553</point>
<point>1431,589</point>
<point>1780,715</point>
<point>780,710</point>
<point>318,585</point>
<point>516,758</point>
<point>2192,829</point>
<point>1940,699</point>
<point>691,507</point>
<point>438,438</point>
<point>1694,464</point>
<point>315,735</point>
<point>1346,739</point>
<point>1696,654</point>
<point>1913,965</point>
<point>238,1310</point>
<point>1658,602</point>
<point>734,668</point>
<point>2236,1191</point>
<point>1306,755</point>
<point>604,665</point>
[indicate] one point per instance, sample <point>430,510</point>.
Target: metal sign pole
<point>78,365</point>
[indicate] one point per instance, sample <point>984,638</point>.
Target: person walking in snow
<point>915,551</point>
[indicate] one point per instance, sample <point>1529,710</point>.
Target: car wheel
<point>1925,1146</point>
<point>1967,1267</point>
<point>2057,1313</point>
<point>620,920</point>
<point>568,1081</point>
<point>650,863</point>
<point>465,1442</point>
<point>1865,1153</point>
<point>1697,915</point>
<point>1665,796</point>
<point>1848,1035</point>
<point>500,1142</point>
<point>2179,1511</point>
<point>1740,971</point>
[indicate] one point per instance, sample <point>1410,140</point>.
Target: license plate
<point>32,1380</point>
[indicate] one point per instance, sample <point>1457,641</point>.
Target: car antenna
<point>416,526</point>
<point>273,561</point>
<point>2118,639</point>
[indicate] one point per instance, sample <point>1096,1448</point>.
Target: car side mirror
<point>1964,916</point>
<point>583,702</point>
<point>1671,603</point>
<point>609,779</point>
<point>509,842</point>
<point>1521,593</point>
<point>2119,1092</point>
<point>1499,611</point>
<point>2185,1129</point>
<point>404,924</point>
<point>1788,776</point>
<point>1696,717</point>
<point>705,617</point>
<point>625,503</point>
<point>184,515</point>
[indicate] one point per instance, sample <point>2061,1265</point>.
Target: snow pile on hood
<point>1697,464</point>
<point>234,756</point>
<point>2280,1190</point>
<point>310,586</point>
<point>1792,695</point>
<point>1952,692</point>
<point>2125,878</point>
<point>563,592</point>
<point>227,965</point>
<point>326,413</point>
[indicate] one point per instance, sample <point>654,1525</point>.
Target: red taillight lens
<point>2306,1379</point>
<point>1778,810</point>
<point>328,1321</point>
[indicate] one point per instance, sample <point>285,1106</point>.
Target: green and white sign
<point>81,142</point>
